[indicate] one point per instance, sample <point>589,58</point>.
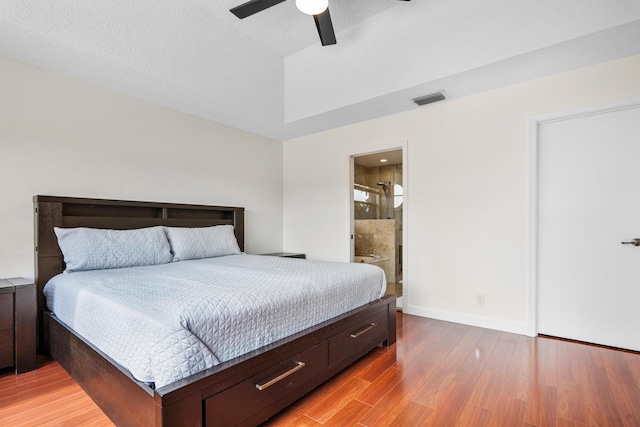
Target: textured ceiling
<point>268,74</point>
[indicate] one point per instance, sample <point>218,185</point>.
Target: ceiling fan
<point>318,8</point>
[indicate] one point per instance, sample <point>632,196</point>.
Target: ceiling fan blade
<point>253,6</point>
<point>325,28</point>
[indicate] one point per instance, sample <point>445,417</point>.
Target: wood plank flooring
<point>437,374</point>
<point>48,397</point>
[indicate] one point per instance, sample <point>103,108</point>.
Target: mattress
<point>166,322</point>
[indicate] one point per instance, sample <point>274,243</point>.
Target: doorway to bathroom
<point>378,204</point>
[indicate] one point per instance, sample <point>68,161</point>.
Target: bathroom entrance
<point>378,199</point>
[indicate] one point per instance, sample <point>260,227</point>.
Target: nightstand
<point>18,324</point>
<point>287,255</point>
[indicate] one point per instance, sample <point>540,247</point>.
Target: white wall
<point>467,191</point>
<point>61,136</point>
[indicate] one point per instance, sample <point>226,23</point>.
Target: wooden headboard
<point>53,211</point>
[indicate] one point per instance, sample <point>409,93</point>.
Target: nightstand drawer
<point>18,324</point>
<point>6,348</point>
<point>6,311</point>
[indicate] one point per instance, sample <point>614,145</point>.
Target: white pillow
<point>98,249</point>
<point>202,242</point>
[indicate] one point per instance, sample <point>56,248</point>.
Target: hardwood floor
<point>437,374</point>
<point>46,397</point>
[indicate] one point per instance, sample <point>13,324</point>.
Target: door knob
<point>634,242</point>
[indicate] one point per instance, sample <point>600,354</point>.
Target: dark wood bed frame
<point>227,394</point>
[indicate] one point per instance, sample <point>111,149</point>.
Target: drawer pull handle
<point>365,330</point>
<point>299,365</point>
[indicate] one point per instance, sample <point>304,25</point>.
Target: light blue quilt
<point>166,322</point>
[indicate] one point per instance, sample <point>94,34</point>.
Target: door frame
<point>534,125</point>
<point>373,149</point>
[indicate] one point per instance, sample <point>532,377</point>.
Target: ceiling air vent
<point>428,99</point>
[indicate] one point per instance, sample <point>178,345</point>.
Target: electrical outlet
<point>480,299</point>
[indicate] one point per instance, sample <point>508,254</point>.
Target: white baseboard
<point>511,326</point>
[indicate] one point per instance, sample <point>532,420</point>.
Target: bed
<point>244,389</point>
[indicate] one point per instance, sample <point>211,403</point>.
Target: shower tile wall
<point>377,236</point>
<point>370,177</point>
<point>360,175</point>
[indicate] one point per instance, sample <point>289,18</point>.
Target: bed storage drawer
<point>366,335</point>
<point>271,388</point>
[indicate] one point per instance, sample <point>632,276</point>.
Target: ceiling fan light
<point>312,7</point>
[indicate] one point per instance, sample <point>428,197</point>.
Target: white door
<point>588,204</point>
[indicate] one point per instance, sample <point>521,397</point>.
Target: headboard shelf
<point>52,211</point>
<point>128,223</point>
